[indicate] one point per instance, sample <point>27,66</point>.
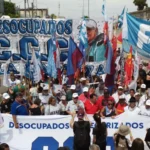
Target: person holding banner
<point>19,107</point>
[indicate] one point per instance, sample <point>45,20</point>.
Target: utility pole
<point>25,8</point>
<point>32,9</point>
<point>89,8</point>
<point>58,9</point>
<point>83,9</point>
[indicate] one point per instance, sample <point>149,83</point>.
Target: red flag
<point>128,68</point>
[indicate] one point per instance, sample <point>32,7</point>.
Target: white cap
<point>136,94</point>
<point>85,89</point>
<point>90,23</point>
<point>18,82</point>
<point>75,95</point>
<point>6,96</point>
<point>148,102</point>
<point>45,87</point>
<point>122,96</point>
<point>63,98</point>
<point>82,79</point>
<point>120,87</point>
<point>143,86</point>
<point>73,87</point>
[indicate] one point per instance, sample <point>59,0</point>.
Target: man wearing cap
<point>96,49</point>
<point>142,90</point>
<point>121,104</point>
<point>74,104</point>
<point>19,107</point>
<point>91,106</point>
<point>12,80</point>
<point>5,104</point>
<point>70,92</point>
<point>45,95</point>
<point>103,100</point>
<point>118,93</point>
<point>132,108</point>
<point>145,110</point>
<point>85,95</point>
<point>63,104</point>
<point>137,98</point>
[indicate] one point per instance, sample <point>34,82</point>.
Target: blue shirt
<point>20,108</point>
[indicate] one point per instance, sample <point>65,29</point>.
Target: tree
<point>10,10</point>
<point>53,16</point>
<point>140,3</point>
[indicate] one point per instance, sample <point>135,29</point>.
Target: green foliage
<point>141,4</point>
<point>53,16</point>
<point>9,9</point>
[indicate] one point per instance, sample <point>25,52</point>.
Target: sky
<point>74,8</point>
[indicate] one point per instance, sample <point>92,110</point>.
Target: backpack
<point>81,137</point>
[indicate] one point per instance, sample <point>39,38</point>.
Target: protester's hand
<point>113,117</point>
<point>16,126</point>
<point>73,114</point>
<point>103,117</point>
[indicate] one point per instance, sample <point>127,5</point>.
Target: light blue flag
<point>120,19</point>
<point>138,32</point>
<point>51,67</point>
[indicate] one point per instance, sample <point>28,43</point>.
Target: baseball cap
<point>6,96</point>
<point>148,102</point>
<point>75,95</point>
<point>122,96</point>
<point>120,87</point>
<point>63,98</point>
<point>85,89</point>
<point>18,82</point>
<point>73,87</point>
<point>136,94</point>
<point>90,23</point>
<point>45,87</point>
<point>83,79</point>
<point>143,86</point>
<point>80,113</point>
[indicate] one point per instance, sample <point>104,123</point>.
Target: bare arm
<point>15,121</point>
<point>72,120</point>
<point>101,113</point>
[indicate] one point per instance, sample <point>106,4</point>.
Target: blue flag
<point>120,19</point>
<point>138,32</point>
<point>51,67</point>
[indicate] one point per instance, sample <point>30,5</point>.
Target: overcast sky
<point>74,8</point>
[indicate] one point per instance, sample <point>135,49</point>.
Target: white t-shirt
<point>116,97</point>
<point>44,98</point>
<point>142,100</point>
<point>62,106</point>
<point>33,91</point>
<point>12,83</point>
<point>71,106</point>
<point>52,110</point>
<point>144,111</point>
<point>132,111</point>
<point>128,96</point>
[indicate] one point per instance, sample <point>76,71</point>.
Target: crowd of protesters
<point>81,98</point>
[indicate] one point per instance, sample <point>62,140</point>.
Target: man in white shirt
<point>100,89</point>
<point>12,80</point>
<point>44,96</point>
<point>74,104</point>
<point>117,94</point>
<point>63,103</point>
<point>145,110</point>
<point>132,108</point>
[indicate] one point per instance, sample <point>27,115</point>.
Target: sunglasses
<point>110,104</point>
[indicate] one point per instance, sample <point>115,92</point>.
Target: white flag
<point>36,68</point>
<point>5,76</point>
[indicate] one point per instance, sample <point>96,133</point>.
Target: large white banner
<point>50,132</point>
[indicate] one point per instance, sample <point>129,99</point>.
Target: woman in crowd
<point>35,108</point>
<point>137,144</point>
<point>121,142</point>
<point>99,132</point>
<point>109,110</point>
<point>52,108</point>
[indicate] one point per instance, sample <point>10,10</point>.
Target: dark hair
<point>132,90</point>
<point>37,101</point>
<point>137,144</point>
<point>97,119</point>
<point>18,94</point>
<point>92,95</point>
<point>3,146</point>
<point>63,148</point>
